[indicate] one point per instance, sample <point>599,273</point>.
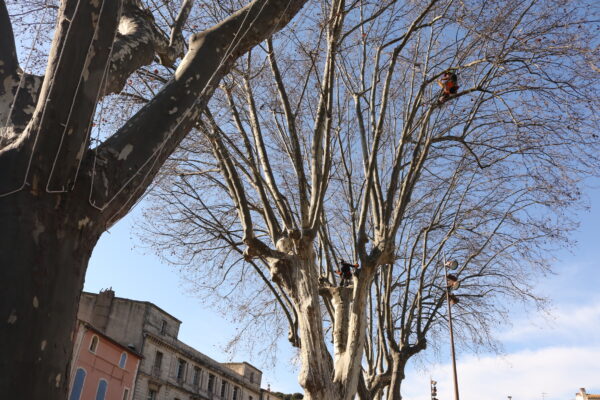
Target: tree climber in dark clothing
<point>346,272</point>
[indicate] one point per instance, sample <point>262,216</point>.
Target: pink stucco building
<point>102,369</point>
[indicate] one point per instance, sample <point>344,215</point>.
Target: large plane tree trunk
<point>57,195</point>
<point>322,376</point>
<point>399,356</point>
<point>397,377</point>
<point>45,247</point>
<point>297,275</point>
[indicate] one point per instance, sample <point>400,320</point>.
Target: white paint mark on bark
<point>105,182</point>
<point>37,231</point>
<point>132,28</point>
<point>43,345</point>
<point>57,380</point>
<point>86,70</point>
<point>183,65</point>
<point>12,318</point>
<point>81,151</point>
<point>6,99</point>
<point>82,223</point>
<point>29,109</point>
<point>125,152</point>
<point>127,26</point>
<point>36,302</point>
<point>85,74</point>
<point>285,245</point>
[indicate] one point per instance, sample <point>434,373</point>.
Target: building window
<point>197,372</point>
<point>151,395</point>
<point>163,327</point>
<point>223,389</point>
<point>125,394</point>
<point>101,392</point>
<point>211,383</point>
<point>251,377</point>
<point>181,370</point>
<point>157,363</point>
<point>250,398</point>
<point>235,393</point>
<point>94,344</point>
<point>123,360</point>
<point>77,384</point>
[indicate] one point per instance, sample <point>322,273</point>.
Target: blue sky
<point>120,262</point>
<point>553,354</point>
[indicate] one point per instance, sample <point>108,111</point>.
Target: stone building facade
<point>266,394</point>
<point>169,369</point>
<point>583,395</point>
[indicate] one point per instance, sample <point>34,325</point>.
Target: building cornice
<point>139,302</point>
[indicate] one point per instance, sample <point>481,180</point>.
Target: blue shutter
<point>102,386</point>
<point>77,384</point>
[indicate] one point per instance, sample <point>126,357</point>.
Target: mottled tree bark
<point>397,376</point>
<point>321,376</point>
<point>49,220</point>
<point>44,255</point>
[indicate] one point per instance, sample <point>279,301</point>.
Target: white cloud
<point>557,371</point>
<point>571,324</point>
<point>555,355</point>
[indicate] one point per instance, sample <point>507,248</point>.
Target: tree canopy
<point>330,142</point>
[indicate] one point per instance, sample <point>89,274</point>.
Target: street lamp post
<point>433,387</point>
<point>451,283</point>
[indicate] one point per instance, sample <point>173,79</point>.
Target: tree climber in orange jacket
<point>449,85</point>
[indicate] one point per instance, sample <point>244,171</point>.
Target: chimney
<point>102,309</point>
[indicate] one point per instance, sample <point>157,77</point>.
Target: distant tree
<point>332,142</point>
<point>295,396</point>
<point>58,191</point>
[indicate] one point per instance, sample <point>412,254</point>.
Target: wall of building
<point>583,395</point>
<point>251,374</point>
<point>168,385</point>
<point>267,395</point>
<point>101,363</point>
<point>126,320</point>
<point>151,329</point>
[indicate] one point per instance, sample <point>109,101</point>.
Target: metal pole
<point>456,397</point>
